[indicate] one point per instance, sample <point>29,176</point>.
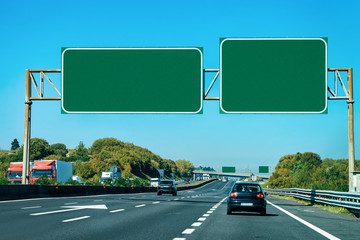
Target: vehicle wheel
<point>159,193</point>
<point>228,212</point>
<point>174,194</point>
<point>263,212</point>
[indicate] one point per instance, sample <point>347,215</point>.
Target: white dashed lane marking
<point>196,224</point>
<point>31,207</point>
<point>118,210</point>
<point>200,220</point>
<point>142,205</point>
<point>188,231</point>
<point>75,219</point>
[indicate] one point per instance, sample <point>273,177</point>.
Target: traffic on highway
<point>199,213</point>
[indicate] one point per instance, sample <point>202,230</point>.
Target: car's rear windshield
<point>166,182</point>
<point>247,188</point>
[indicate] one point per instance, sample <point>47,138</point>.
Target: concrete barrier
<point>18,191</point>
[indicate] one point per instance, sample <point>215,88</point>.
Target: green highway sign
<point>228,169</point>
<point>273,75</point>
<point>132,80</point>
<point>263,169</point>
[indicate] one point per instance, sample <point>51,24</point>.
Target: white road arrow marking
<point>102,206</point>
<point>72,208</point>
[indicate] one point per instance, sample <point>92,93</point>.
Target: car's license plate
<point>246,204</point>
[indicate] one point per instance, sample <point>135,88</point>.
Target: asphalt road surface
<point>193,214</point>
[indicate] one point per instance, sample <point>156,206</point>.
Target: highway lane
<point>194,214</point>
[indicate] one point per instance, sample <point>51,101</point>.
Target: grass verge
<point>334,209</point>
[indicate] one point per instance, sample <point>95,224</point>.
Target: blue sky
<point>33,32</point>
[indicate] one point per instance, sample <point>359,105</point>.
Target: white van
<point>154,182</point>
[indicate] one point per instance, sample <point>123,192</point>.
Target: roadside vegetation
<point>137,164</point>
<point>308,171</point>
<point>334,209</point>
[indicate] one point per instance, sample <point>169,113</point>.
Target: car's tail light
<point>233,194</point>
<point>260,195</point>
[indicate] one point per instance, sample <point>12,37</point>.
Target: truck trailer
<point>54,169</point>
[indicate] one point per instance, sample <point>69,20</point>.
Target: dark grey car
<point>167,186</point>
<point>246,196</point>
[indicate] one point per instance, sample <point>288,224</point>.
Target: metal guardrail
<point>350,201</point>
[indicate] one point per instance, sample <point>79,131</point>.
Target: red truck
<point>14,172</point>
<point>53,169</point>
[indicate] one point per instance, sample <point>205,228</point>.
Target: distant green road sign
<point>132,80</point>
<point>263,169</point>
<point>273,75</point>
<point>228,169</point>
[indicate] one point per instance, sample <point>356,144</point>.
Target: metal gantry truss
<point>334,96</point>
<point>350,101</point>
<point>29,77</point>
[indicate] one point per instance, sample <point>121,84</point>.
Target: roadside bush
<point>128,182</point>
<point>93,184</point>
<point>72,182</point>
<point>4,180</point>
<point>44,180</point>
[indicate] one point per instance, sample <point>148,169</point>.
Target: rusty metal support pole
<point>27,130</point>
<point>351,130</point>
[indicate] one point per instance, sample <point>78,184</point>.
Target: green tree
<point>185,168</point>
<point>15,145</point>
<point>39,148</point>
<point>58,149</point>
<point>102,143</point>
<point>54,157</point>
<point>85,171</point>
<point>307,170</point>
<point>81,150</point>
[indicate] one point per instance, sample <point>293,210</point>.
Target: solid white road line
<point>179,239</point>
<point>322,232</point>
<point>118,210</point>
<point>188,231</point>
<point>196,224</point>
<point>142,205</point>
<point>31,207</point>
<point>75,219</point>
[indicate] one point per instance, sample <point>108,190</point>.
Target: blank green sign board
<point>228,169</point>
<point>132,80</point>
<point>263,169</point>
<point>273,75</point>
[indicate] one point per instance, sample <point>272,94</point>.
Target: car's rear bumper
<point>246,205</point>
<point>166,190</point>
